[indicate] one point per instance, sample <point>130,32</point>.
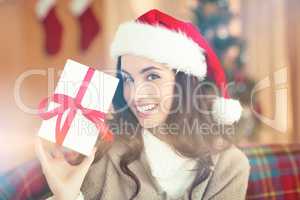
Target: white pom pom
<point>226,111</point>
<point>43,7</point>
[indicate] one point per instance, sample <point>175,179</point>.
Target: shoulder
<point>230,164</point>
<point>230,175</point>
<point>231,159</point>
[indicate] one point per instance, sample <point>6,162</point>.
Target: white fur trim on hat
<point>43,7</point>
<point>160,44</point>
<point>79,6</point>
<point>226,111</point>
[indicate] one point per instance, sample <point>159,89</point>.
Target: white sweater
<point>172,172</point>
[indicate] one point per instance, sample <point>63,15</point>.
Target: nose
<point>145,90</point>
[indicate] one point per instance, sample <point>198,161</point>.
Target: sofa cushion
<point>25,182</point>
<point>275,172</point>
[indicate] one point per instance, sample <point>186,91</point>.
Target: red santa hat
<point>162,38</point>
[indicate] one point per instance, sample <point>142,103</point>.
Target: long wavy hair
<point>195,143</point>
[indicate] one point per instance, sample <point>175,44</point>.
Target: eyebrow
<point>148,68</point>
<point>143,70</point>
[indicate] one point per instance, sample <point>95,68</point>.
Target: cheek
<point>167,91</point>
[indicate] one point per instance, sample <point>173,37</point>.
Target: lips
<point>145,110</point>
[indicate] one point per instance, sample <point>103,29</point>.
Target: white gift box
<point>82,133</point>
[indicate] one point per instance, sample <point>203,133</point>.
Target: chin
<point>148,123</point>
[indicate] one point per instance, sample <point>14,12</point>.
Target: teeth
<point>145,108</point>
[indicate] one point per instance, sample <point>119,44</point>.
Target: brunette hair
<point>193,143</point>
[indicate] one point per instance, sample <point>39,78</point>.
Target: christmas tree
<point>220,23</point>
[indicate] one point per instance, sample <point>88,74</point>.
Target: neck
<point>163,136</point>
<point>160,134</point>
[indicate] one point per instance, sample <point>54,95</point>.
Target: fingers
<point>57,152</point>
<point>42,155</point>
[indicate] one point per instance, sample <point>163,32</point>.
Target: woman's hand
<point>63,178</point>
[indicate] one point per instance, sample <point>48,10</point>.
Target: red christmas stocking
<point>53,29</point>
<point>89,26</point>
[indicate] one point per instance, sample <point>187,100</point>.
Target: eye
<point>152,77</point>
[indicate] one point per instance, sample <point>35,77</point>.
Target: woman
<point>172,136</point>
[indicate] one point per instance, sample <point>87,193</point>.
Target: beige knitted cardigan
<point>106,181</point>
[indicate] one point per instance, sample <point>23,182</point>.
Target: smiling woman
<point>172,136</point>
<point>154,98</point>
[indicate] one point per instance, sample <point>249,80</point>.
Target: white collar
<point>164,162</point>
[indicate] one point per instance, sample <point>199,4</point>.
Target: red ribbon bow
<point>74,104</point>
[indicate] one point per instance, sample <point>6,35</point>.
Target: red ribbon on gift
<point>74,104</point>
